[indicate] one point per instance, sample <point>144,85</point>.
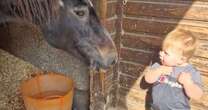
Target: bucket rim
<point>42,74</point>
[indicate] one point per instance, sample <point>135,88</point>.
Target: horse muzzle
<point>108,57</point>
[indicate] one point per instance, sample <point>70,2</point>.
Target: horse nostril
<point>114,62</point>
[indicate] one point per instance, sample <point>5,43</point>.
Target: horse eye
<point>80,13</point>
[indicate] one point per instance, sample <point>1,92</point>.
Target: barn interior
<point>137,27</point>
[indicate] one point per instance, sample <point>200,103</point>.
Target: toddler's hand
<point>165,70</point>
<point>185,78</point>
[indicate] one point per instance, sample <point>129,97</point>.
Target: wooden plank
<point>146,25</point>
<point>200,33</point>
<point>202,50</point>
<point>143,42</point>
<point>135,56</point>
<point>187,10</point>
<point>111,9</point>
<point>201,64</point>
<point>130,69</point>
<point>126,81</point>
<point>110,25</point>
<point>150,25</point>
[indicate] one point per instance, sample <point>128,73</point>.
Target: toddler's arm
<point>152,74</point>
<point>191,89</point>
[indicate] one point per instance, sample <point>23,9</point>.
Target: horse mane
<point>35,11</point>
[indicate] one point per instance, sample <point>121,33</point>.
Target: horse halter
<point>90,2</point>
<point>61,3</point>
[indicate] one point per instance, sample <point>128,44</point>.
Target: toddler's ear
<point>183,59</point>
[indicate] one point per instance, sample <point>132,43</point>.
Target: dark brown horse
<point>71,25</point>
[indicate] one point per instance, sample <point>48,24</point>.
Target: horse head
<point>74,27</point>
<point>78,30</point>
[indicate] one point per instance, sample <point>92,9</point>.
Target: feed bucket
<point>48,92</point>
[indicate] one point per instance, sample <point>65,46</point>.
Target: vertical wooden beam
<point>97,98</point>
<point>119,34</point>
<point>103,11</point>
<point>103,17</point>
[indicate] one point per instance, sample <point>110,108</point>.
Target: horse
<point>71,25</point>
<point>68,25</point>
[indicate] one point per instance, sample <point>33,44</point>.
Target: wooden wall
<point>145,24</point>
<point>138,28</point>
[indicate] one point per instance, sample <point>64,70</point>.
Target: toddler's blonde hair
<point>180,41</point>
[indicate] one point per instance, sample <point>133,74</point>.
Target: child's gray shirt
<point>168,94</point>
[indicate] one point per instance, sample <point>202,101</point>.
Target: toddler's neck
<point>184,64</point>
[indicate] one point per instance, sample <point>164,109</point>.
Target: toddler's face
<point>170,58</point>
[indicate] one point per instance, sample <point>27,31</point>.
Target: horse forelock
<point>37,11</point>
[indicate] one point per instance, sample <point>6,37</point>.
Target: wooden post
<point>103,11</point>
<point>97,99</point>
<point>97,91</point>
